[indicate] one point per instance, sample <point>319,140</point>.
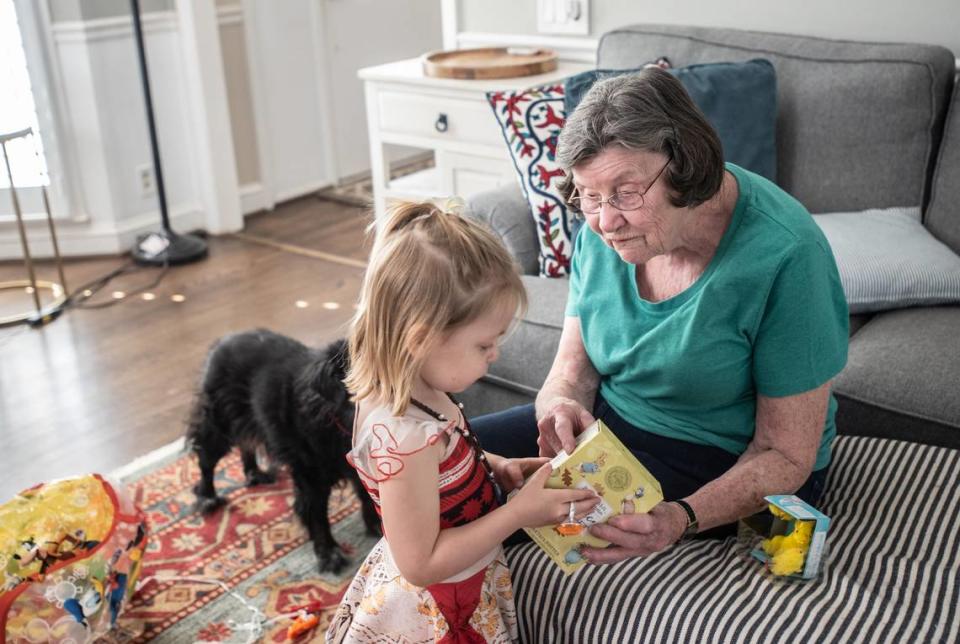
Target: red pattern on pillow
<point>531,120</point>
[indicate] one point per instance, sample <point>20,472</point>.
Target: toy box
<point>600,462</point>
<point>794,536</point>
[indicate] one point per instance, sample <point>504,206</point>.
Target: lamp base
<point>168,248</point>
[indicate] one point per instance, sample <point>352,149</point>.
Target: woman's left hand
<point>511,472</point>
<point>638,535</point>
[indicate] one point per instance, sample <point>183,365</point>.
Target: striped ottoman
<point>891,570</point>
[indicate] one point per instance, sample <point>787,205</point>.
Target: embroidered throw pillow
<point>530,121</point>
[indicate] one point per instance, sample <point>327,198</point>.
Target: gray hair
<point>648,111</point>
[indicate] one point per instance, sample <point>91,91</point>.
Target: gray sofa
<point>860,125</point>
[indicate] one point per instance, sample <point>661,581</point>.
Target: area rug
<point>227,577</point>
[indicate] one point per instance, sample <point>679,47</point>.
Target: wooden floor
<point>96,388</point>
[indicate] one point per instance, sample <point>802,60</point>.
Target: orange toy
<point>569,528</point>
<point>302,624</point>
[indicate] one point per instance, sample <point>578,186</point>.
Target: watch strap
<point>692,523</point>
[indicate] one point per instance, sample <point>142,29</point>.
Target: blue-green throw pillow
<point>738,99</point>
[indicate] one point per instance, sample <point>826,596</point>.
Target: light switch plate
<point>570,17</point>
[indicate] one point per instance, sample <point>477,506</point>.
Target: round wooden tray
<point>489,62</point>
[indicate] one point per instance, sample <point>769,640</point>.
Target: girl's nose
<point>494,354</point>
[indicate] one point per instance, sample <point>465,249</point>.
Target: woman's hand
<point>563,420</point>
<point>638,535</point>
<point>512,472</point>
<point>535,505</point>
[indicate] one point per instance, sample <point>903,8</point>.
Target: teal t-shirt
<point>767,316</point>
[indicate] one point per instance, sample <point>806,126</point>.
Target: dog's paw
<point>209,504</point>
<point>260,478</point>
<point>331,561</point>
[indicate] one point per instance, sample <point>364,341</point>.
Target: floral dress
<point>475,605</point>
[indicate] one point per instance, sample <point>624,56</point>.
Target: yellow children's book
<point>602,463</point>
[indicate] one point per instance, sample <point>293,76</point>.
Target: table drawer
<point>438,118</point>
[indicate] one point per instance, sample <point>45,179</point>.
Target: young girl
<point>439,294</point>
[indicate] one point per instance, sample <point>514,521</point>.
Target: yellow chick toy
<point>787,552</point>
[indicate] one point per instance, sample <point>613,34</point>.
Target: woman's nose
<point>610,217</point>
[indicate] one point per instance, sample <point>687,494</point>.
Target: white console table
<point>449,117</point>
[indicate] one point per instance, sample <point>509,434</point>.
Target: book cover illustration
<point>602,463</point>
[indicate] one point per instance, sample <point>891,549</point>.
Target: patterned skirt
<point>381,606</point>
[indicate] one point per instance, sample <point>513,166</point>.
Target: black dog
<point>262,388</point>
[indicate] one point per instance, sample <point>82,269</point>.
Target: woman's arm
<point>566,398</point>
<point>778,461</point>
<point>424,553</point>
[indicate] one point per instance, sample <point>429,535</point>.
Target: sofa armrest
<point>506,212</point>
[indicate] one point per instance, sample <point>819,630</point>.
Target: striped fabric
<point>888,260</point>
<point>891,571</point>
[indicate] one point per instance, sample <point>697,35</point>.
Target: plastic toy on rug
<point>794,537</point>
<point>70,553</point>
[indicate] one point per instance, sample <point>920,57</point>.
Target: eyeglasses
<point>623,201</point>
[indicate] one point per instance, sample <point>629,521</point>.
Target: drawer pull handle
<point>441,123</point>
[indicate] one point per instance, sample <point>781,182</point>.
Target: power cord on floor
<point>80,296</point>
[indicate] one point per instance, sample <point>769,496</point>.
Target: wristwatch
<point>692,523</point>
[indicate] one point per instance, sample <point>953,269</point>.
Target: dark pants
<point>681,467</point>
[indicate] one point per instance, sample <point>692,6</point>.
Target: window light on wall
<point>17,108</point>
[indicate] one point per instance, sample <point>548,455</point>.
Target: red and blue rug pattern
<point>254,545</point>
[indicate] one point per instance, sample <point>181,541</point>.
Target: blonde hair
<point>430,271</point>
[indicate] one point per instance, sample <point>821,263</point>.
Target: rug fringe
<point>148,460</point>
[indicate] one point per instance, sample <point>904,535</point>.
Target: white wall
<point>90,79</point>
<point>361,33</point>
<point>105,135</point>
<point>929,21</point>
<point>286,54</point>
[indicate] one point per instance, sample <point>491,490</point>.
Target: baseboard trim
<point>84,240</point>
<point>300,191</point>
<point>253,198</point>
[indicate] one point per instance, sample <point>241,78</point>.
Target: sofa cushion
<point>506,212</point>
<point>943,215</point>
<point>902,377</point>
<point>530,120</point>
<point>888,260</point>
<point>858,123</point>
<point>889,575</point>
<point>527,353</point>
<point>738,99</point>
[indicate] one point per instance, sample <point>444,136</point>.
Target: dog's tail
<point>198,420</point>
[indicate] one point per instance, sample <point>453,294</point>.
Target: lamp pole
<point>163,247</point>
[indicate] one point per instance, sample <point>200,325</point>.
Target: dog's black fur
<point>262,388</point>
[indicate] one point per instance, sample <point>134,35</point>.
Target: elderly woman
<point>704,323</point>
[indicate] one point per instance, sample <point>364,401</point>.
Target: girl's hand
<point>638,535</point>
<point>565,418</point>
<point>511,472</point>
<point>535,505</point>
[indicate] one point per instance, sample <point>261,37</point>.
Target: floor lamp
<point>164,247</point>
